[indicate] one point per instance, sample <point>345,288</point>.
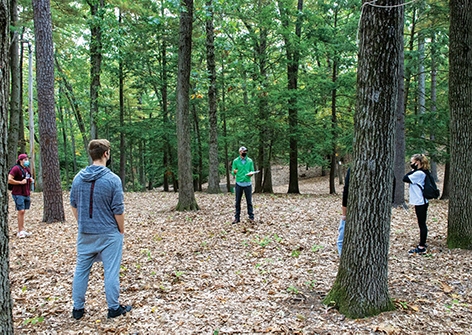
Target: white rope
<point>378,6</point>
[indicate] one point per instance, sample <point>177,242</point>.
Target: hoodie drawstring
<point>91,199</point>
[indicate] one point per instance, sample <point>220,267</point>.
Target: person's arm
<point>120,220</point>
<point>12,181</point>
<point>74,210</point>
<point>344,213</point>
<point>407,179</point>
<point>234,171</point>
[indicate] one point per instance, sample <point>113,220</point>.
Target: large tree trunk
<point>213,164</point>
<point>186,194</point>
<point>96,13</point>
<point>399,167</point>
<point>53,210</point>
<point>6,303</point>
<point>15,103</point>
<point>459,228</point>
<point>361,286</point>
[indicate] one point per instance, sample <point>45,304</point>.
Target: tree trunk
<point>399,167</point>
<point>186,194</point>
<point>200,151</point>
<point>6,303</point>
<point>15,103</point>
<point>122,125</point>
<point>52,189</point>
<point>434,166</point>
<point>165,115</point>
<point>334,133</point>
<point>72,140</point>
<point>213,164</point>
<point>361,286</point>
<point>225,130</point>
<point>96,13</point>
<point>21,134</point>
<point>408,69</point>
<point>64,138</point>
<point>459,228</point>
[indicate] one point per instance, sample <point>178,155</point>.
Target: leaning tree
<point>459,228</point>
<point>360,288</point>
<point>53,210</point>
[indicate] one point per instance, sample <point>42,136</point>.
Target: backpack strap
<point>91,199</point>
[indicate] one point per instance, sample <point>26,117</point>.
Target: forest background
<point>116,74</point>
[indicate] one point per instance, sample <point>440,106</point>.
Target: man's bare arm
<point>120,220</point>
<point>12,181</point>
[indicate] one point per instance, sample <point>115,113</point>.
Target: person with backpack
<point>420,180</point>
<point>20,180</point>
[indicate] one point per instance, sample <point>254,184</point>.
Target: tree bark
<point>459,228</point>
<point>64,138</point>
<point>399,196</point>
<point>53,210</point>
<point>213,164</point>
<point>186,194</point>
<point>122,126</point>
<point>15,103</point>
<point>200,151</point>
<point>21,134</point>
<point>225,130</point>
<point>6,303</point>
<point>334,133</point>
<point>72,140</point>
<point>361,287</point>
<point>96,13</point>
<point>434,72</point>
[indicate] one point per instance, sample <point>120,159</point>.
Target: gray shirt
<point>96,210</point>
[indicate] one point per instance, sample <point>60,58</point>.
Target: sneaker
<point>418,250</point>
<point>251,220</point>
<point>77,313</point>
<point>113,313</point>
<point>235,221</point>
<point>22,234</point>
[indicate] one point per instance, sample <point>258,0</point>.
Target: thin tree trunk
<point>96,13</point>
<point>15,103</point>
<point>225,134</point>
<point>434,166</point>
<point>21,134</point>
<point>213,164</point>
<point>186,194</point>
<point>72,140</point>
<point>408,68</point>
<point>122,125</point>
<point>200,151</point>
<point>64,137</point>
<point>53,210</point>
<point>399,168</point>
<point>6,302</point>
<point>459,228</point>
<point>334,133</point>
<point>361,286</point>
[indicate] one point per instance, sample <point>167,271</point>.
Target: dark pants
<point>239,194</point>
<point>421,213</point>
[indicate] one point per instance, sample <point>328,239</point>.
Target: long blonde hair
<point>423,160</point>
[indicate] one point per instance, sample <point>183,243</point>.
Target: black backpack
<point>430,190</point>
<point>10,186</point>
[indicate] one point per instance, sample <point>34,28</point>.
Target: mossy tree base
<point>187,207</point>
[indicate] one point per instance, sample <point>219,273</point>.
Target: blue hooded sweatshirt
<point>96,210</point>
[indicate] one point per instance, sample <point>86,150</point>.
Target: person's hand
<point>235,171</point>
<point>32,180</point>
<point>23,182</point>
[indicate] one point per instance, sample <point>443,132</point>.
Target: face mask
<point>26,163</point>
<point>244,154</point>
<point>413,166</point>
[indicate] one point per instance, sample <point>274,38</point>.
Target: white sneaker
<point>22,234</point>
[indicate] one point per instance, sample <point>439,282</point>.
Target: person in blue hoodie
<point>96,198</point>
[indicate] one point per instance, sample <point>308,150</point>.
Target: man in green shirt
<point>243,169</point>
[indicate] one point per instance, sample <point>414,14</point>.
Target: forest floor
<point>196,273</point>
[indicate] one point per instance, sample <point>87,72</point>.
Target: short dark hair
<point>97,148</point>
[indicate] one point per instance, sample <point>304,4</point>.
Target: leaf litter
<point>195,272</point>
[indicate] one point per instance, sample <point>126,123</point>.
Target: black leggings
<point>421,213</point>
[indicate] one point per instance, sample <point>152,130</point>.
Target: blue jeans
<point>340,236</point>
<point>89,249</point>
<point>239,194</point>
<point>22,202</point>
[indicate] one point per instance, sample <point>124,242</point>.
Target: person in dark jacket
<point>96,198</point>
<point>416,178</point>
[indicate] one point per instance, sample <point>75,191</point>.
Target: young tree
<point>52,189</point>
<point>6,304</point>
<point>186,193</point>
<point>15,103</point>
<point>459,228</point>
<point>213,176</point>
<point>361,287</point>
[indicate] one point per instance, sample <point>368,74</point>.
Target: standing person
<point>20,177</point>
<point>344,209</point>
<point>96,198</point>
<point>243,169</point>
<point>416,178</point>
